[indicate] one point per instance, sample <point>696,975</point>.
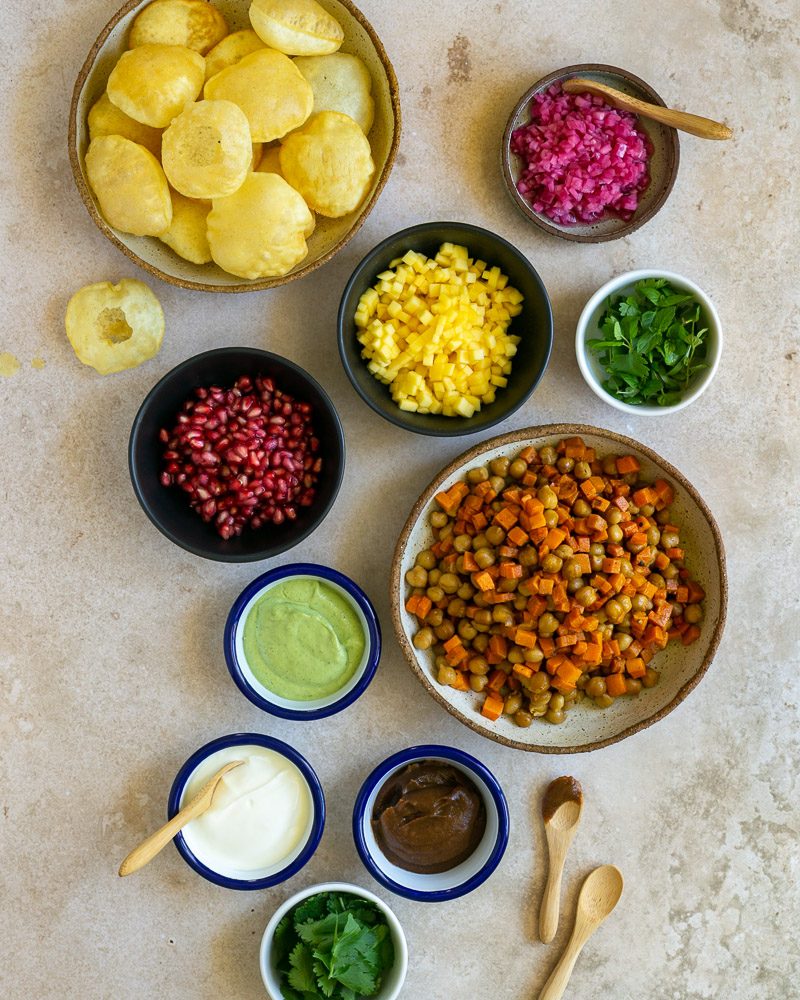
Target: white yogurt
<point>261,815</point>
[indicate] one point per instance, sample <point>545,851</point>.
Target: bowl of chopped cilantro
<point>334,941</point>
<point>649,342</point>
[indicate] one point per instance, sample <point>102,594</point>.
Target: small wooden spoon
<point>149,847</point>
<point>705,128</point>
<point>599,895</point>
<point>561,811</point>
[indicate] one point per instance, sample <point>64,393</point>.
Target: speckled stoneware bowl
<point>329,236</point>
<point>586,727</point>
<point>663,163</point>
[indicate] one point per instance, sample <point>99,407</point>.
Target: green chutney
<point>303,639</point>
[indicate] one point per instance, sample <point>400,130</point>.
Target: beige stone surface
<point>111,671</point>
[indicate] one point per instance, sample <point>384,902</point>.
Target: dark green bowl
<point>534,325</point>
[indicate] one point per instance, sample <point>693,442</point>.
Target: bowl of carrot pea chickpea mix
<point>559,591</point>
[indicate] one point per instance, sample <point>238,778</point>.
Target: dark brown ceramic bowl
<point>681,668</point>
<point>663,162</point>
<point>329,236</point>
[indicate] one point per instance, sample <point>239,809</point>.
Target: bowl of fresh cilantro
<point>334,941</point>
<point>649,342</point>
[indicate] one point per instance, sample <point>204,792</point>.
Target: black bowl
<point>534,325</point>
<point>168,507</point>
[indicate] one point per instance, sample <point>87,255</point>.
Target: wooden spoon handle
<point>156,842</point>
<point>551,899</point>
<point>559,978</point>
<point>705,128</point>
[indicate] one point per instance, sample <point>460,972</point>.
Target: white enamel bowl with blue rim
<point>395,977</point>
<point>458,881</point>
<point>286,708</point>
<point>264,878</point>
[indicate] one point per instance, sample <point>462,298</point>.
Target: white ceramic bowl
<point>681,667</point>
<point>329,236</point>
<point>395,977</point>
<point>589,328</point>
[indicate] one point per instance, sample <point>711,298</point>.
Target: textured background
<point>111,671</point>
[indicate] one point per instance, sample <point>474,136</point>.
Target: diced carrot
<point>453,643</point>
<point>564,641</point>
<point>517,537</point>
<point>588,489</point>
<point>636,667</point>
<point>525,637</point>
<point>582,559</point>
<point>460,683</point>
<point>468,562</point>
<point>676,553</point>
<point>534,521</point>
<point>546,585</point>
<point>689,636</point>
<point>497,597</point>
<point>601,504</point>
<point>511,571</point>
<point>555,536</point>
<point>644,496</point>
<point>492,708</point>
<point>696,592</point>
<point>506,518</point>
<point>627,464</point>
<point>547,645</point>
<point>521,670</point>
<point>423,607</point>
<point>612,565</point>
<point>615,684</point>
<point>497,679</point>
<point>483,581</point>
<point>579,649</point>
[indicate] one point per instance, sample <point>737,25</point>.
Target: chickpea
<point>483,617</point>
<point>614,515</point>
<point>507,586</point>
<point>565,464</point>
<point>520,602</point>
<point>581,508</point>
<point>436,594</point>
<point>641,603</point>
<point>466,630</point>
<point>518,468</point>
<point>426,559</point>
<point>548,624</point>
<point>499,466</point>
<point>417,577</point>
<point>533,655</point>
<point>658,581</point>
<point>438,519</point>
<point>478,475</point>
<point>523,719</point>
<point>433,577</point>
<point>625,602</point>
<point>495,535</point>
<point>548,455</point>
<point>556,716</point>
<point>515,655</point>
<point>547,497</point>
<point>564,551</point>
<point>573,586</point>
<point>615,534</point>
<point>552,563</point>
<point>572,569</point>
<point>610,466</point>
<point>498,484</point>
<point>539,683</point>
<point>446,676</point>
<point>423,639</point>
<point>480,601</point>
<point>512,704</point>
<point>484,558</point>
<point>445,532</point>
<point>440,661</point>
<point>466,591</point>
<point>456,608</point>
<point>550,518</point>
<point>604,701</point>
<point>557,702</point>
<point>670,540</point>
<point>480,541</point>
<point>664,516</point>
<point>651,678</point>
<point>434,617</point>
<point>582,470</point>
<point>632,685</point>
<point>653,537</point>
<point>670,572</point>
<point>623,639</point>
<point>502,615</point>
<point>478,682</point>
<point>528,557</point>
<point>693,614</point>
<point>480,643</point>
<point>461,543</point>
<point>635,546</point>
<point>626,569</point>
<point>445,631</point>
<point>596,687</point>
<point>596,562</point>
<point>586,596</point>
<point>647,510</point>
<point>613,610</point>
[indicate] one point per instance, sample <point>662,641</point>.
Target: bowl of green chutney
<point>302,642</point>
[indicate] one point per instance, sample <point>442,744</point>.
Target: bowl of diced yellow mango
<point>445,329</point>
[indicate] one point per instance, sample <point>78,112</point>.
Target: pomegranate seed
<point>246,455</point>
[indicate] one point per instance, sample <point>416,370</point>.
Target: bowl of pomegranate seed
<point>236,455</point>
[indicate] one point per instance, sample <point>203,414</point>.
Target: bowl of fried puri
<point>230,146</point>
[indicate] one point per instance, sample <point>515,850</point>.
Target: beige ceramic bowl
<point>329,236</point>
<point>586,727</point>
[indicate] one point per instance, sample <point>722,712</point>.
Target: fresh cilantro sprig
<point>333,946</point>
<point>653,343</point>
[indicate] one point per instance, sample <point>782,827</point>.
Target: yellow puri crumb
<point>436,331</point>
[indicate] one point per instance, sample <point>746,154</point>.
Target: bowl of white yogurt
<point>266,818</point>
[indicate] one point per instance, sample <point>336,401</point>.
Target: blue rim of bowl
<point>196,550</point>
<point>324,573</point>
<point>317,798</point>
<point>420,753</point>
<point>389,414</point>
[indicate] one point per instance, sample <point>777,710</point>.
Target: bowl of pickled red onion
<point>582,170</point>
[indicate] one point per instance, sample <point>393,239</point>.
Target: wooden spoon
<point>599,895</point>
<point>705,128</point>
<point>561,811</point>
<point>149,847</point>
